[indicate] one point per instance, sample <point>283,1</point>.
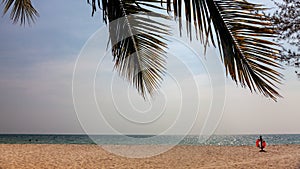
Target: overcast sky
<point>36,69</point>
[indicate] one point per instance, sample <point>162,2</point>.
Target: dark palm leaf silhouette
<point>240,32</point>
<point>236,27</point>
<point>138,43</point>
<point>22,10</point>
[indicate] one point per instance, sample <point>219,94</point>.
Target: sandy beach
<point>28,156</point>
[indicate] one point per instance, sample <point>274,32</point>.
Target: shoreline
<point>181,156</point>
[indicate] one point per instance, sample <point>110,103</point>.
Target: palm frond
<point>138,42</point>
<point>241,33</point>
<point>237,27</point>
<point>22,10</point>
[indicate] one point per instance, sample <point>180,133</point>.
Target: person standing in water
<point>261,144</point>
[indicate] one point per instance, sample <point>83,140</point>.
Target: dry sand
<point>92,156</point>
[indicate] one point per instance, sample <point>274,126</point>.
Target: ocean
<point>220,140</point>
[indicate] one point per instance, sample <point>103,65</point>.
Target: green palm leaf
<point>22,10</point>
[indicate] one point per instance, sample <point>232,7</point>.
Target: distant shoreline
<point>225,140</point>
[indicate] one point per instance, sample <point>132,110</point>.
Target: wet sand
<point>28,156</point>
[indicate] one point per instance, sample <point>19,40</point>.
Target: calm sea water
<point>148,139</point>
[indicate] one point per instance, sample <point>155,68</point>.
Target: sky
<point>39,94</point>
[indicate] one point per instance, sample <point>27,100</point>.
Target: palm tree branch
<point>253,66</point>
<point>241,33</point>
<point>138,42</point>
<point>21,10</point>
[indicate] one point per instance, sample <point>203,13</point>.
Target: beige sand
<point>92,156</point>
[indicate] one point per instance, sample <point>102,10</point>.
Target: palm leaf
<point>236,26</point>
<point>22,10</point>
<point>241,34</point>
<point>138,42</point>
